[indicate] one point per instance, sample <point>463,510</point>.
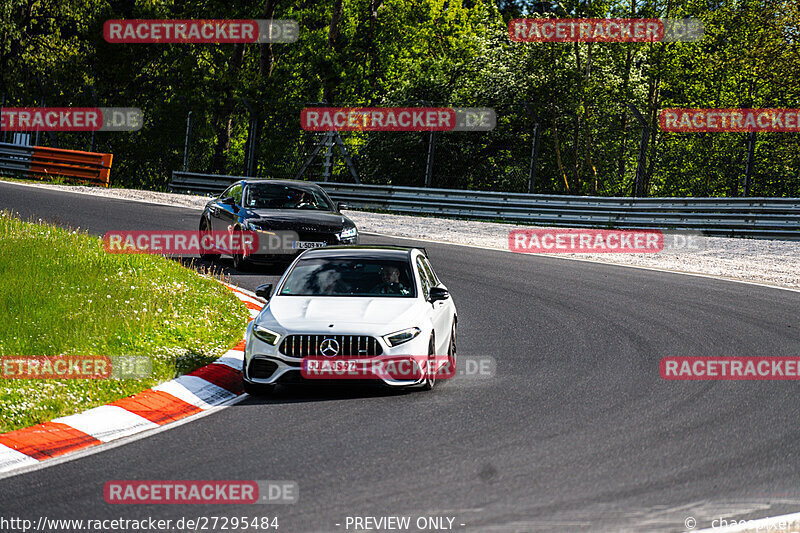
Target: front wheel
<point>239,262</point>
<point>204,231</point>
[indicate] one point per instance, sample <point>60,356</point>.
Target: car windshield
<point>275,196</point>
<point>350,277</point>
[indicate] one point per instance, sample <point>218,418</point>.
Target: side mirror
<point>228,200</point>
<point>264,291</point>
<point>438,293</point>
<point>342,205</point>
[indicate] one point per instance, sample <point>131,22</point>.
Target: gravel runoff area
<point>772,262</point>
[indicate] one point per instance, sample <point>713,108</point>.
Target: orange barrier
<point>87,167</point>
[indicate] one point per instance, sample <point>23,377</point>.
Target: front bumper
<point>265,364</point>
<point>287,256</point>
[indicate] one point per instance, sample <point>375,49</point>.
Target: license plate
<point>304,245</point>
<point>341,366</point>
<point>333,366</point>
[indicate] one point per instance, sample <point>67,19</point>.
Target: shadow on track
<point>224,267</point>
<point>325,393</point>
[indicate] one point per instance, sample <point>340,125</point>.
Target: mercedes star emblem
<point>329,347</point>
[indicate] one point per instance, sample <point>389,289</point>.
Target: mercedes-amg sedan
<point>269,207</point>
<point>376,304</point>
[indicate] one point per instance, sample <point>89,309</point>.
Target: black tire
<point>240,264</point>
<point>430,380</point>
<point>451,350</point>
<point>203,231</point>
<point>258,389</point>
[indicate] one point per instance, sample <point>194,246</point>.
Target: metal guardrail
<point>193,183</point>
<point>41,161</point>
<point>777,218</point>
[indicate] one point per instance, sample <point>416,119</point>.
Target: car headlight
<point>400,337</point>
<point>348,233</point>
<point>270,337</point>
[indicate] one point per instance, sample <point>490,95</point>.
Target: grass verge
<point>62,294</point>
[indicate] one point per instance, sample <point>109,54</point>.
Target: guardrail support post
<point>534,157</point>
<point>36,135</point>
<point>186,142</point>
<point>638,184</point>
<point>251,148</point>
<point>2,104</point>
<point>250,153</point>
<point>429,166</point>
<point>748,172</point>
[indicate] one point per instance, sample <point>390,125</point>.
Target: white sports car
<point>357,303</point>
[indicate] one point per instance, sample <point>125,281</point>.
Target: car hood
<point>296,219</point>
<point>300,313</point>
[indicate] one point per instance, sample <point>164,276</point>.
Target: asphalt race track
<point>576,432</point>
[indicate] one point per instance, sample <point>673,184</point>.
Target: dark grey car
<point>298,208</point>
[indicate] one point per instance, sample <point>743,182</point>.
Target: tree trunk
<point>587,139</point>
<point>266,58</point>
<point>558,151</point>
<point>328,86</point>
<point>576,130</point>
<point>626,81</point>
<point>624,116</point>
<point>372,50</point>
<point>654,104</point>
<point>266,64</point>
<point>223,120</point>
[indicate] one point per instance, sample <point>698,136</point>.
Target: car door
<point>229,210</point>
<point>217,216</point>
<point>445,313</point>
<point>440,310</point>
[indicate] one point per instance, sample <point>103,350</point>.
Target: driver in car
<point>390,282</point>
<point>305,200</point>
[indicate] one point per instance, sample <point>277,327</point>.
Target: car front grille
<point>349,345</point>
<point>262,368</point>
<point>316,236</point>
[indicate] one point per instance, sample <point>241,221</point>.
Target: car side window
<point>236,193</point>
<point>424,279</point>
<point>226,193</point>
<point>248,199</point>
<point>429,270</point>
